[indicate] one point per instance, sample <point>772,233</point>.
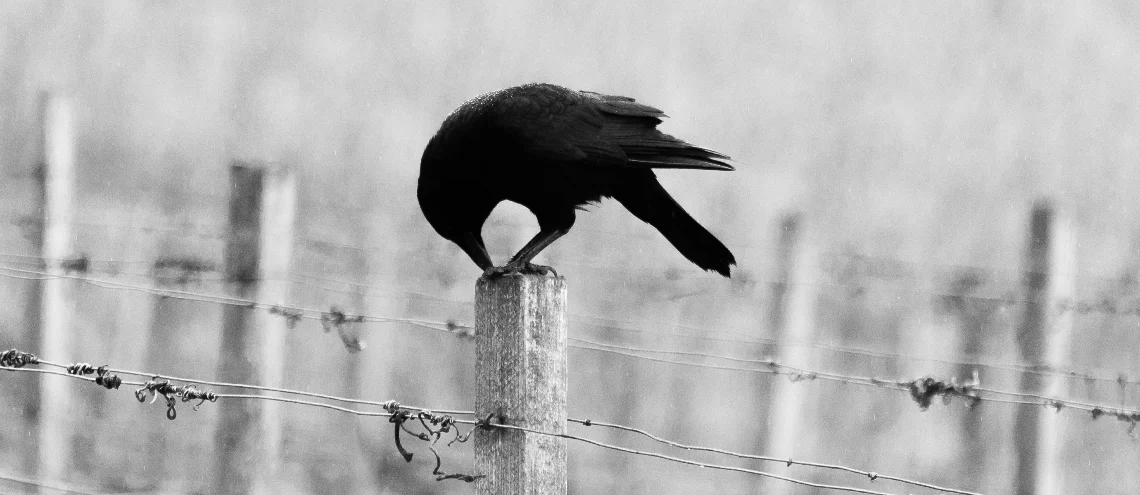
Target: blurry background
<point>913,137</point>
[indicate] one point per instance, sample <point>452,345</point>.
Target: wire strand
<point>451,327</point>
<point>679,460</point>
<point>797,374</point>
<point>789,462</point>
<point>40,484</point>
<point>299,312</point>
<point>870,475</point>
<point>1041,370</point>
<point>262,388</point>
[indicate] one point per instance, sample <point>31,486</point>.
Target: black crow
<point>553,150</point>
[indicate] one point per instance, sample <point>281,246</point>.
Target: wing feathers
<point>605,130</point>
<point>645,146</point>
<point>632,127</point>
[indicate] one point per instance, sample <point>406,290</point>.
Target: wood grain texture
<point>520,349</point>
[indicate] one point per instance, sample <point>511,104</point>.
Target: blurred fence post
<point>57,189</point>
<point>792,316</point>
<point>520,367</point>
<point>975,318</point>
<point>258,252</point>
<point>1043,341</point>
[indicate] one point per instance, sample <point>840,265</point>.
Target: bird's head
<point>436,196</point>
<point>449,197</point>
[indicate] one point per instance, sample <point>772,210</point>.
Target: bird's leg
<point>522,258</point>
<point>520,262</point>
<point>472,244</point>
<point>539,242</point>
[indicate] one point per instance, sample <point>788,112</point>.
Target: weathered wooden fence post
<point>520,366</point>
<point>262,206</point>
<point>57,181</point>
<point>1043,341</point>
<point>793,308</point>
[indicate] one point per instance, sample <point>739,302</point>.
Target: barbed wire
<point>922,390</point>
<point>16,361</point>
<point>188,270</point>
<point>289,312</point>
<point>196,270</point>
<point>1102,305</point>
<point>263,388</point>
<point>908,268</point>
<point>359,285</point>
<point>1045,370</point>
<point>155,382</point>
<point>160,385</point>
<point>334,317</point>
<point>679,460</point>
<point>787,461</point>
<point>435,422</point>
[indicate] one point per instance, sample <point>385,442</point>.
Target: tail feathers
<point>652,204</point>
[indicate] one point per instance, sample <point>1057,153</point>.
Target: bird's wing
<point>587,128</point>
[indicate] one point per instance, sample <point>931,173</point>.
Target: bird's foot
<point>513,268</point>
<point>533,269</point>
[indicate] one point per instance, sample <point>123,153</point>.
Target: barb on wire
<point>923,391</point>
<point>440,475</point>
<point>460,330</point>
<point>156,388</point>
<point>170,392</point>
<point>292,316</point>
<point>13,358</point>
<point>346,327</point>
<point>442,424</point>
<point>103,377</point>
<point>79,264</point>
<point>181,270</point>
<point>398,418</point>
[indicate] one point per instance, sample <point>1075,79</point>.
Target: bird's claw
<point>520,269</point>
<point>533,269</point>
<point>496,272</point>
